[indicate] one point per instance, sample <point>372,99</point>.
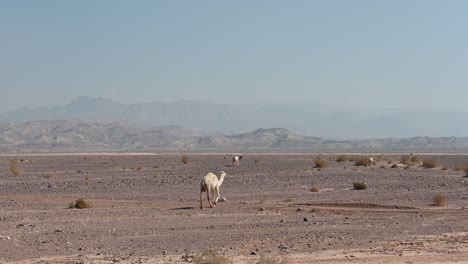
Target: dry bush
<point>184,159</point>
<point>256,160</point>
<point>271,260</point>
<point>320,163</point>
<point>458,167</point>
<point>394,166</point>
<point>341,158</point>
<point>359,185</point>
<point>362,161</point>
<point>406,160</point>
<point>430,163</point>
<point>444,167</point>
<point>314,189</point>
<point>211,257</point>
<point>15,167</point>
<point>79,204</point>
<point>415,159</point>
<point>440,200</point>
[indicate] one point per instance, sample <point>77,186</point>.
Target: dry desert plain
<point>145,209</point>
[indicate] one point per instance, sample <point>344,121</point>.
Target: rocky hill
<point>104,135</point>
<point>310,119</point>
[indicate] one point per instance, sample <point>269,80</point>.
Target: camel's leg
<point>208,197</point>
<point>217,197</point>
<point>201,199</point>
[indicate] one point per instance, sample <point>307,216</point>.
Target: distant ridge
<point>75,135</point>
<point>305,118</point>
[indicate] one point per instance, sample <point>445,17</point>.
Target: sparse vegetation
<point>444,168</point>
<point>362,161</point>
<point>341,158</point>
<point>394,166</point>
<point>458,167</point>
<point>440,200</point>
<point>320,163</point>
<point>314,189</point>
<point>359,185</point>
<point>184,159</point>
<point>211,257</point>
<point>430,163</point>
<point>256,160</point>
<point>15,167</point>
<point>79,204</point>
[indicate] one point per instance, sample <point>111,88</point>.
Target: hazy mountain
<point>310,119</point>
<point>78,135</point>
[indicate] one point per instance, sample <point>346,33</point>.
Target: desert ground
<point>145,209</point>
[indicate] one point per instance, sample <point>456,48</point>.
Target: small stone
<point>305,219</point>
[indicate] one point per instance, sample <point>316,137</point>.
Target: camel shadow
<point>184,208</point>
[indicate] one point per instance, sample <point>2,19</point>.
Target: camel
<point>209,184</point>
<point>236,159</point>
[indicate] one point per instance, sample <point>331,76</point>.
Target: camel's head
<point>222,173</point>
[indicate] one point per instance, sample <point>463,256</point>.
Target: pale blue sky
<point>379,54</point>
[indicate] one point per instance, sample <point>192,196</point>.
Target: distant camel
<point>371,162</point>
<point>236,159</point>
<point>210,184</point>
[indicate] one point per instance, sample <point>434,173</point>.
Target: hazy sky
<point>386,54</point>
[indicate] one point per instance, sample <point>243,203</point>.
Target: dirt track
<point>145,210</point>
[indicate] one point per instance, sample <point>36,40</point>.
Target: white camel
<point>209,184</point>
<point>371,162</point>
<point>236,159</point>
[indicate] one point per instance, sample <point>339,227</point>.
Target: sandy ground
<point>145,209</point>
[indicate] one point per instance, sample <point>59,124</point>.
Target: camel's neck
<point>221,179</point>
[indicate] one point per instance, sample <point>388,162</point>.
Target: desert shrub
<point>440,200</point>
<point>271,260</point>
<point>406,160</point>
<point>79,171</point>
<point>48,176</point>
<point>415,159</point>
<point>430,163</point>
<point>361,161</point>
<point>407,167</point>
<point>341,158</point>
<point>211,257</point>
<point>15,167</point>
<point>256,160</point>
<point>320,163</point>
<point>394,166</point>
<point>314,189</point>
<point>359,185</point>
<point>79,204</point>
<point>458,167</point>
<point>444,168</point>
<point>184,159</point>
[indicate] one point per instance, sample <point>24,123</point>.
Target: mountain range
<point>310,119</point>
<point>75,135</point>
